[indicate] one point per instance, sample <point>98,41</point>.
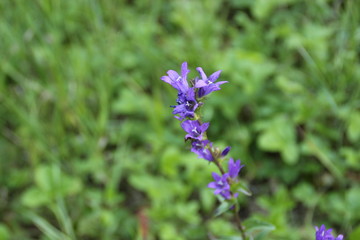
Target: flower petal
<point>213,77</point>
<point>202,73</point>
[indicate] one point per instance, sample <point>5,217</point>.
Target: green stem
<point>238,221</point>
<point>217,162</point>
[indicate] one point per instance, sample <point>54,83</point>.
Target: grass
<point>88,145</point>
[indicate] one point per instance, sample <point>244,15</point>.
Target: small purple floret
<point>323,234</point>
<point>175,80</point>
<point>207,85</point>
<point>234,168</point>
<point>187,105</point>
<point>221,185</point>
<point>201,149</point>
<point>194,129</point>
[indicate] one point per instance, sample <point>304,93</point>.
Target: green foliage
<point>89,148</point>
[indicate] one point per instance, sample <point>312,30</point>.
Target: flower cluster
<point>190,94</point>
<point>323,234</point>
<point>221,183</point>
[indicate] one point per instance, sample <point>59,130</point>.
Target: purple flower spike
<point>194,129</point>
<point>199,147</point>
<point>187,104</point>
<point>207,85</point>
<point>221,185</point>
<point>323,234</point>
<point>225,151</point>
<point>177,81</point>
<point>234,168</point>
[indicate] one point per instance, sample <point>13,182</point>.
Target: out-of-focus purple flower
<point>221,185</point>
<point>187,104</point>
<point>177,81</point>
<point>207,85</point>
<point>200,148</point>
<point>323,234</point>
<point>225,151</point>
<point>234,168</point>
<point>194,129</point>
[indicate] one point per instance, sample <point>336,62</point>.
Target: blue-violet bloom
<point>194,129</point>
<point>201,149</point>
<point>323,234</point>
<point>221,185</point>
<point>177,81</point>
<point>187,104</point>
<point>207,85</point>
<point>234,168</point>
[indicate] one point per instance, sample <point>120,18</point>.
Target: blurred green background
<point>89,148</point>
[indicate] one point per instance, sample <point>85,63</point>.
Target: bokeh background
<point>89,148</point>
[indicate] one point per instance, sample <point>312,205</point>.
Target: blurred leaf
<point>288,86</point>
<point>49,230</point>
<point>352,157</point>
<point>355,234</point>
<point>224,207</point>
<point>263,8</point>
<point>168,231</point>
<point>241,187</point>
<point>279,135</point>
<point>4,232</point>
<point>34,197</point>
<point>352,203</point>
<point>258,229</point>
<point>222,228</point>
<point>318,147</point>
<point>305,193</point>
<point>51,180</point>
<point>50,183</point>
<point>354,127</point>
<point>170,161</point>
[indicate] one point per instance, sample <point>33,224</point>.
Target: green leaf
<point>279,136</point>
<point>34,197</point>
<point>241,187</point>
<point>258,229</point>
<point>354,127</point>
<point>352,202</point>
<point>355,235</point>
<point>4,232</point>
<point>51,180</point>
<point>49,230</point>
<point>306,194</point>
<point>224,206</point>
<point>352,157</point>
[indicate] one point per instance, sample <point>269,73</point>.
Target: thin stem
<point>238,222</point>
<point>219,166</point>
<point>217,163</point>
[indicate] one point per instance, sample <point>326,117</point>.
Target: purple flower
<point>207,85</point>
<point>225,151</point>
<point>194,129</point>
<point>221,185</point>
<point>234,168</point>
<point>177,81</point>
<point>323,234</point>
<point>199,147</point>
<point>187,104</point>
